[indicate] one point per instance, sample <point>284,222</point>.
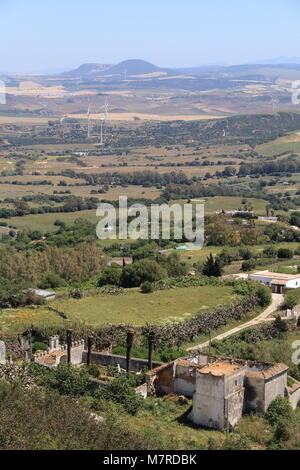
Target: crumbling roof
<point>268,372</point>
<point>51,358</point>
<point>220,368</point>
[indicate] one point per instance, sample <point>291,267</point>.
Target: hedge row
<point>169,335</point>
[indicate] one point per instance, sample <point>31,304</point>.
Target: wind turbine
<point>274,101</point>
<point>103,120</point>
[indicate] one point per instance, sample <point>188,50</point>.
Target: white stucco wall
<point>208,401</point>
<point>293,283</point>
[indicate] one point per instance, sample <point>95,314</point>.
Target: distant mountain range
<point>282,60</point>
<point>137,67</point>
<point>124,68</point>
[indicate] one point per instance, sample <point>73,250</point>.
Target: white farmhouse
<point>278,283</point>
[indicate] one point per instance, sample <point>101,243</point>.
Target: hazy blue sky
<point>41,35</point>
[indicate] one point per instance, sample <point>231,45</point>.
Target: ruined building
<point>222,388</point>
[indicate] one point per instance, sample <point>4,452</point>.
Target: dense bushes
<point>120,391</point>
<point>175,334</point>
<point>135,274</point>
<point>66,379</point>
<point>46,420</point>
<point>279,409</point>
<point>285,253</point>
<point>249,287</point>
<point>291,298</point>
<point>110,276</point>
<point>51,281</point>
<point>72,264</point>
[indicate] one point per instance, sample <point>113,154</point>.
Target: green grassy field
<point>132,307</point>
<point>45,222</point>
<point>273,148</point>
<point>217,203</point>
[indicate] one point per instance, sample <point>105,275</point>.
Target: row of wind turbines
<point>103,120</point>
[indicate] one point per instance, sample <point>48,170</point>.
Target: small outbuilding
<point>44,294</point>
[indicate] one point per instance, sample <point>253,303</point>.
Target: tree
<point>245,253</point>
<point>110,276</point>
<point>285,253</point>
<point>174,266</point>
<point>280,324</point>
<point>248,265</point>
<point>292,298</point>
<point>52,281</point>
<point>212,267</point>
<point>279,409</point>
<point>133,275</point>
<point>270,252</point>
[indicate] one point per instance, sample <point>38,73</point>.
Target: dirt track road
<point>277,299</point>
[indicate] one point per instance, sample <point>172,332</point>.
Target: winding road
<point>277,299</point>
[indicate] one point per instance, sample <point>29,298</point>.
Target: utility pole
<point>89,347</point>
<point>130,335</point>
<point>150,348</point>
<point>69,344</point>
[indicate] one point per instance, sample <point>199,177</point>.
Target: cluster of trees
<point>140,178</point>
<point>52,267</point>
<point>251,258</point>
<point>288,165</point>
<point>71,204</point>
<point>149,266</point>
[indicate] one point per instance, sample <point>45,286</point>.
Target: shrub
<point>168,355</point>
<point>248,265</point>
<point>291,299</point>
<point>39,346</point>
<point>283,430</point>
<point>120,391</point>
<point>246,253</point>
<point>285,253</point>
<point>45,420</point>
<point>75,294</point>
<point>110,276</point>
<point>264,295</point>
<point>147,287</point>
<point>66,379</point>
<point>52,281</point>
<point>270,252</point>
<point>280,324</point>
<point>279,409</point>
<point>212,267</point>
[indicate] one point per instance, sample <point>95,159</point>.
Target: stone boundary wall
<point>113,360</point>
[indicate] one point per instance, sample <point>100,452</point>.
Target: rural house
<point>279,283</point>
